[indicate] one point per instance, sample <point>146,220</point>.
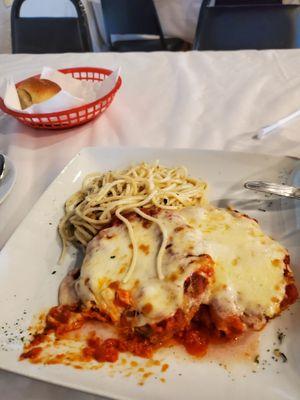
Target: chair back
<point>50,34</point>
<point>237,27</point>
<point>246,2</point>
<point>131,17</point>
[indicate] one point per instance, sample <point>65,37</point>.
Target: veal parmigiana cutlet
<point>162,266</point>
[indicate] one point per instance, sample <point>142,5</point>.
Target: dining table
<point>199,100</point>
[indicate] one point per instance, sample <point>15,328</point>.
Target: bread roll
<point>35,90</point>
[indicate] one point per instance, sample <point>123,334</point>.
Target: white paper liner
<point>74,92</point>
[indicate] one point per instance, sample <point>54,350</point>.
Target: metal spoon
<point>2,166</point>
<point>274,188</point>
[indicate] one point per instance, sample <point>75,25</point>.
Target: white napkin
<point>74,92</point>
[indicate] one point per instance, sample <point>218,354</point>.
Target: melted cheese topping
<point>108,258</point>
<point>248,265</point>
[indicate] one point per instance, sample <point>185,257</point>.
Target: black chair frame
<point>135,17</point>
<point>200,41</point>
<point>81,16</point>
<point>109,32</point>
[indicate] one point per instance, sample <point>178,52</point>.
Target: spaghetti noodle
<point>105,195</point>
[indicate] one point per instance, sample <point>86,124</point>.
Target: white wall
<point>5,46</point>
<point>49,8</point>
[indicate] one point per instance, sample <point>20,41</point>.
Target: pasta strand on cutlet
<point>104,196</point>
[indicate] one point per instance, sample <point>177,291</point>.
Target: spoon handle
<point>274,188</point>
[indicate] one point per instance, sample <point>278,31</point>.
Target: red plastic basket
<point>74,116</point>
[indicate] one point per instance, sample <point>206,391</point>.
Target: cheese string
<point>131,234</point>
<point>163,243</point>
<point>132,237</point>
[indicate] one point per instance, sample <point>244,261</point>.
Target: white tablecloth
<point>198,100</point>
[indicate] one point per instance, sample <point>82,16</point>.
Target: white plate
<point>27,285</point>
<point>8,180</point>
